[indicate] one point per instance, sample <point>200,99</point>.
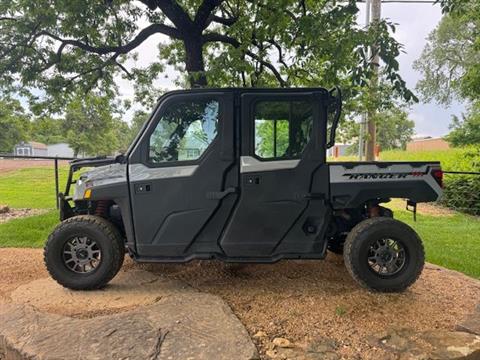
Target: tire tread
<point>349,248</point>
<point>118,250</point>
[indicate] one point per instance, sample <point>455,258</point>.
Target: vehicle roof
<point>246,90</point>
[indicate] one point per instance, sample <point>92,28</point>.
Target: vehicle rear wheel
<point>384,254</point>
<point>84,252</point>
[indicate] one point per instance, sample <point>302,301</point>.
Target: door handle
<point>219,195</point>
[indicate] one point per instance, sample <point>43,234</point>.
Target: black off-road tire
<point>357,246</point>
<point>108,239</point>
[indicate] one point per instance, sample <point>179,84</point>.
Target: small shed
<point>31,148</point>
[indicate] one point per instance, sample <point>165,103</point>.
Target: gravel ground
<point>301,300</point>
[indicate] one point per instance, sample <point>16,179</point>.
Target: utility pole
<point>363,121</point>
<point>371,141</point>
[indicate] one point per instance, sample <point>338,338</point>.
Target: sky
<point>414,23</point>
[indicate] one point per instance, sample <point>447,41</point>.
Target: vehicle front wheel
<point>84,252</point>
<point>383,254</point>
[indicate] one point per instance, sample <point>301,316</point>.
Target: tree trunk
<point>194,61</point>
<point>371,126</point>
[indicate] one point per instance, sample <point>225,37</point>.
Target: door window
<point>184,131</point>
<point>282,128</point>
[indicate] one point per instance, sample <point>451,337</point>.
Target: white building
<point>31,148</point>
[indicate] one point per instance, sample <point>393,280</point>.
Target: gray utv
<point>239,175</point>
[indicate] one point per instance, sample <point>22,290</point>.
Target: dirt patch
<point>127,291</point>
<point>19,213</point>
<point>302,301</point>
<point>12,165</point>
<point>306,300</point>
<point>19,266</point>
<point>432,209</point>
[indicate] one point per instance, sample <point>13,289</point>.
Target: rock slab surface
<point>181,323</point>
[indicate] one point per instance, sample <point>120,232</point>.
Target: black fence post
<point>56,183</point>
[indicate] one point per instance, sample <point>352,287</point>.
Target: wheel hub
<point>386,257</point>
<point>81,255</point>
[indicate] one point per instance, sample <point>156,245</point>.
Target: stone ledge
<point>173,321</point>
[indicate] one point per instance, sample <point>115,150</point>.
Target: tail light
<point>438,176</point>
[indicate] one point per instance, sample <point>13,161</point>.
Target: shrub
<point>462,192</point>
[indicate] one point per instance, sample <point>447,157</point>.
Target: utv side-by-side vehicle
<point>239,175</point>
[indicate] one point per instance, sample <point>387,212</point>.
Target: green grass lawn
<point>28,232</point>
<point>450,241</point>
<point>31,188</point>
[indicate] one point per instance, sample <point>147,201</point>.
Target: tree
<point>69,47</point>
<point>394,130</point>
<point>14,124</point>
<point>90,127</point>
<point>47,130</point>
<point>466,131</point>
<point>139,118</point>
<point>450,62</point>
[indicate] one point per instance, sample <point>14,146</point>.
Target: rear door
<point>183,175</point>
<point>283,177</point>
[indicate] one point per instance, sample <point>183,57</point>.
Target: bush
<point>462,192</point>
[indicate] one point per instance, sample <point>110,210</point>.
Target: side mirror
<point>335,101</point>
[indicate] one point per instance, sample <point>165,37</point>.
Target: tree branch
<point>103,50</point>
<point>204,12</point>
<point>176,14</point>
<point>215,37</point>
<point>221,20</point>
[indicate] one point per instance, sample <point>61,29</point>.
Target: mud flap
<point>412,206</point>
<point>65,208</point>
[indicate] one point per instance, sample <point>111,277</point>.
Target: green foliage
<point>47,130</point>
<point>90,127</point>
<point>466,131</point>
<point>264,130</point>
<point>394,130</point>
<point>450,62</point>
<point>138,120</point>
<point>65,48</point>
<point>456,159</point>
<point>462,192</point>
<point>14,124</point>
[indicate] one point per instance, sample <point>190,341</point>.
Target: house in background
<point>338,150</point>
<point>427,143</point>
<point>31,148</point>
<point>60,150</point>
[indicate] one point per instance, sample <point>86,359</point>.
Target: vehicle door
<point>182,175</point>
<point>283,176</point>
